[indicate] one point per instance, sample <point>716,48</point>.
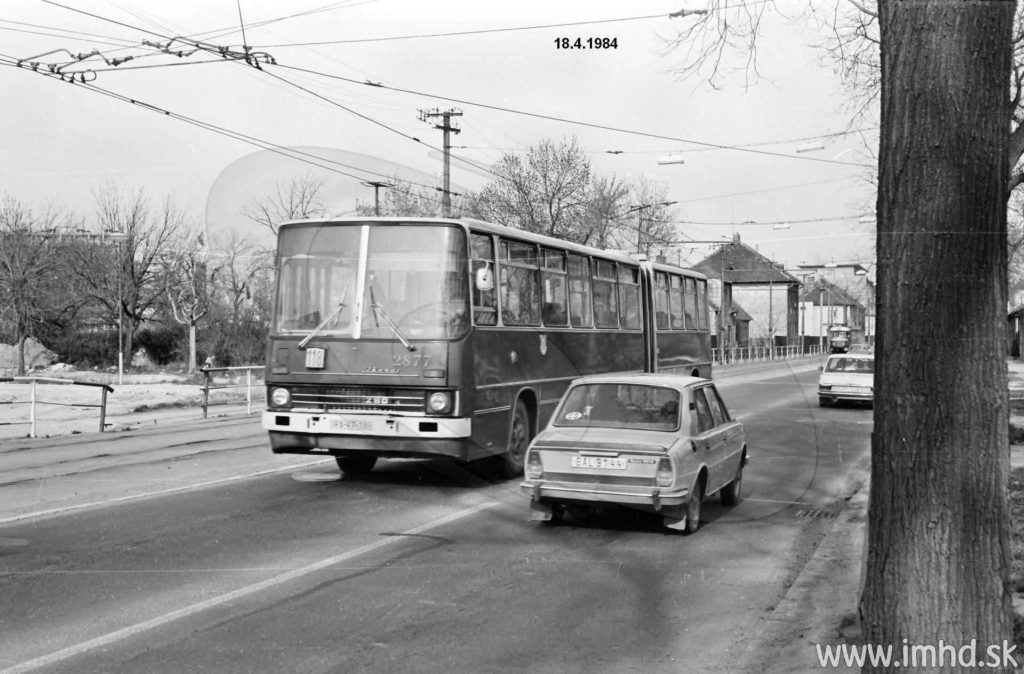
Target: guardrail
<point>748,354</point>
<point>211,385</point>
<point>32,402</point>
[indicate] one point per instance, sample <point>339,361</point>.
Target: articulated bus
<point>417,337</point>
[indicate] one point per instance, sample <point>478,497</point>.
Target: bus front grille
<point>342,399</point>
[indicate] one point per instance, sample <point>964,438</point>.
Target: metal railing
<point>212,384</point>
<point>32,401</point>
<point>749,354</point>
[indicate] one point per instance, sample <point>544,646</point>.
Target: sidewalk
<point>820,607</point>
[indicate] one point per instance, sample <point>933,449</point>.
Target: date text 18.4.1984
<point>587,43</point>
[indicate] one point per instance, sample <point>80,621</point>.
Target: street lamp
<point>118,238</point>
<point>639,209</point>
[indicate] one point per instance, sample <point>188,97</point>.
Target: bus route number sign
<point>315,358</point>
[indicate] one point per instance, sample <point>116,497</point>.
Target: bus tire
<point>518,441</point>
<point>357,464</point>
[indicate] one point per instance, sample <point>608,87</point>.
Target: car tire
<point>693,507</point>
<point>358,464</point>
<point>518,442</point>
<point>731,493</point>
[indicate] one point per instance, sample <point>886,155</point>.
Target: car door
<point>717,448</point>
<point>729,433</point>
<point>704,436</point>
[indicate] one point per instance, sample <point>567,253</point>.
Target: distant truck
<point>839,338</point>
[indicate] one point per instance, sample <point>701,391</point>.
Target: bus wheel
<point>518,441</point>
<point>358,464</point>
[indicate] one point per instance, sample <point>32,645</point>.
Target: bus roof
<point>501,230</point>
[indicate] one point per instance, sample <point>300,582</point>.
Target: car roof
<point>642,378</point>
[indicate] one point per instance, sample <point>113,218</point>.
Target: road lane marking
<point>159,621</point>
<point>160,492</point>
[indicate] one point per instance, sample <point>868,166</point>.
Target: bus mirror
<point>484,278</point>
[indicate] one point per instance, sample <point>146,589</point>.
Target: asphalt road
<point>418,567</point>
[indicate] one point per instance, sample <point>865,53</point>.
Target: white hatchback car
<point>847,377</point>
<point>658,442</point>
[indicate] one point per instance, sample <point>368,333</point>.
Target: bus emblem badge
<point>543,345</point>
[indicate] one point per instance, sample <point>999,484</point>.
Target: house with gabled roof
<point>823,303</point>
<point>738,274</point>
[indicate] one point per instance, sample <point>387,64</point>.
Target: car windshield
<point>862,365</point>
<point>634,406</point>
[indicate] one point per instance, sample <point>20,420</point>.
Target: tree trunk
<point>938,537</point>
<point>21,355</point>
<point>192,347</point>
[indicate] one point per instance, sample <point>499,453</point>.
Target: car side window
<point>703,421</point>
<point>715,400</point>
<point>716,408</point>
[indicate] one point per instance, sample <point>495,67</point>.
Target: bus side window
<point>520,296</point>
<point>629,297</point>
<point>580,308</point>
<point>485,305</point>
<point>553,287</point>
<point>661,300</point>
<point>606,308</point>
<point>690,303</point>
<point>675,301</point>
<point>702,304</point>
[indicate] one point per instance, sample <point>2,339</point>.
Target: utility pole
<point>446,126</point>
<point>639,209</point>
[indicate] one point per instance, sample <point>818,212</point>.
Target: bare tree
<point>546,192</point>
<point>242,291</point>
<point>28,270</point>
<point>653,225</point>
<point>125,273</point>
<point>189,279</point>
<point>297,199</point>
<point>609,200</point>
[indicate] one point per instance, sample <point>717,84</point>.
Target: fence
<point>760,353</point>
<point>32,402</point>
<point>212,384</point>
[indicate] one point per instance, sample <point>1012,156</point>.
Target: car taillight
<point>665,476</point>
<point>534,467</point>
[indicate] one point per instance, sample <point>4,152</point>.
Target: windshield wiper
<point>378,309</point>
<point>341,305</point>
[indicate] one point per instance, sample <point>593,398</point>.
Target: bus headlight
<point>439,402</point>
<point>280,397</point>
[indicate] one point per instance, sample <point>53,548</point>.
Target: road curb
<point>824,594</point>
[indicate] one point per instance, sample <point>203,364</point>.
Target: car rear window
<point>634,406</point>
<point>847,364</point>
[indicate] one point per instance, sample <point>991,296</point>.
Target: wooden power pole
<point>446,126</point>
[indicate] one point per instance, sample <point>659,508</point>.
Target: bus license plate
<point>598,462</point>
<point>351,425</point>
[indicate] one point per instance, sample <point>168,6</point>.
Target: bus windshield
<point>379,281</point>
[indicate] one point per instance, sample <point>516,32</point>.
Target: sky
<point>746,144</point>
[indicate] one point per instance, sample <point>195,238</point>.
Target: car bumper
<point>849,396</point>
<point>654,497</point>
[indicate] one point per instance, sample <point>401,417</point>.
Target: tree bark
<point>938,524</point>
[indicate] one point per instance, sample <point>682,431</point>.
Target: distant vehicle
<point>662,443</point>
<point>839,338</point>
<point>847,377</point>
<point>425,337</point>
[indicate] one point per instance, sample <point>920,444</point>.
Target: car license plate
<point>598,462</point>
<point>849,389</point>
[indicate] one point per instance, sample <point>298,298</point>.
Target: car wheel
<point>518,442</point>
<point>356,465</point>
<point>731,492</point>
<point>693,509</point>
